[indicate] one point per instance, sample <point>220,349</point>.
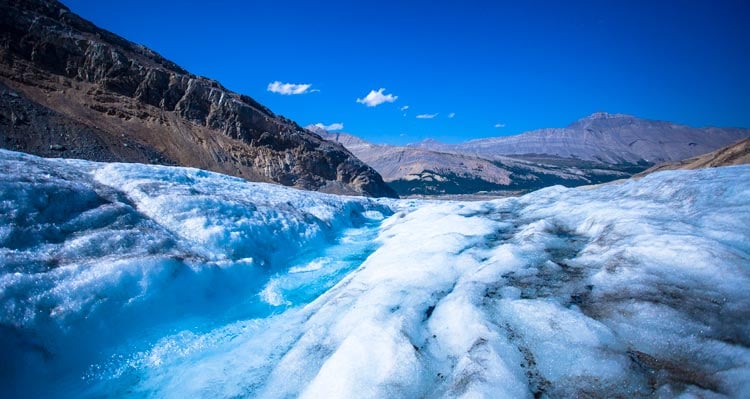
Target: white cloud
<point>375,98</point>
<point>499,125</point>
<point>331,127</point>
<point>426,116</point>
<point>451,115</point>
<point>404,108</point>
<point>290,88</point>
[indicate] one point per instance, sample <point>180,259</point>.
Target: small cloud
<point>331,127</point>
<point>375,98</point>
<point>426,116</point>
<point>499,125</point>
<point>451,115</point>
<point>289,88</point>
<point>404,108</point>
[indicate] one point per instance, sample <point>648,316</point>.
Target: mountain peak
<point>611,138</point>
<point>428,143</point>
<point>316,129</point>
<point>606,115</point>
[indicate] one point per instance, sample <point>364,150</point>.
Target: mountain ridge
<point>134,103</point>
<point>423,171</point>
<point>605,137</point>
<point>590,150</point>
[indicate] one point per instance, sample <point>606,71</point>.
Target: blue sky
<point>480,68</point>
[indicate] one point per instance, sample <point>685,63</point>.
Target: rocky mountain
<point>70,89</point>
<point>596,149</point>
<point>421,171</point>
<point>608,138</point>
<point>735,154</point>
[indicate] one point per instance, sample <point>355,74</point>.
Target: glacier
<point>127,280</point>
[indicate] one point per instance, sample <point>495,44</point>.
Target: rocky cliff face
<point>609,138</point>
<point>74,90</point>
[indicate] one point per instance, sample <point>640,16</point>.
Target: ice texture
<point>98,260</point>
<point>193,284</point>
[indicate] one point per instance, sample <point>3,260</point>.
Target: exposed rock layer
<point>74,90</point>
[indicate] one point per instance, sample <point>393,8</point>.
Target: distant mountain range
<point>70,89</point>
<point>420,171</point>
<point>606,138</point>
<point>596,149</point>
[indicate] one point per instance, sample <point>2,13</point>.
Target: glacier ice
<point>145,281</point>
<point>97,260</point>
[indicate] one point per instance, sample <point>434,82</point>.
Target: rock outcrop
<point>71,89</point>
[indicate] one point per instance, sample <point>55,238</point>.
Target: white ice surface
<point>632,290</point>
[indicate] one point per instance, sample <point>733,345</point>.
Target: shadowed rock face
<point>609,138</point>
<point>71,89</point>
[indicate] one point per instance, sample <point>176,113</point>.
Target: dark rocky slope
<point>71,89</point>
